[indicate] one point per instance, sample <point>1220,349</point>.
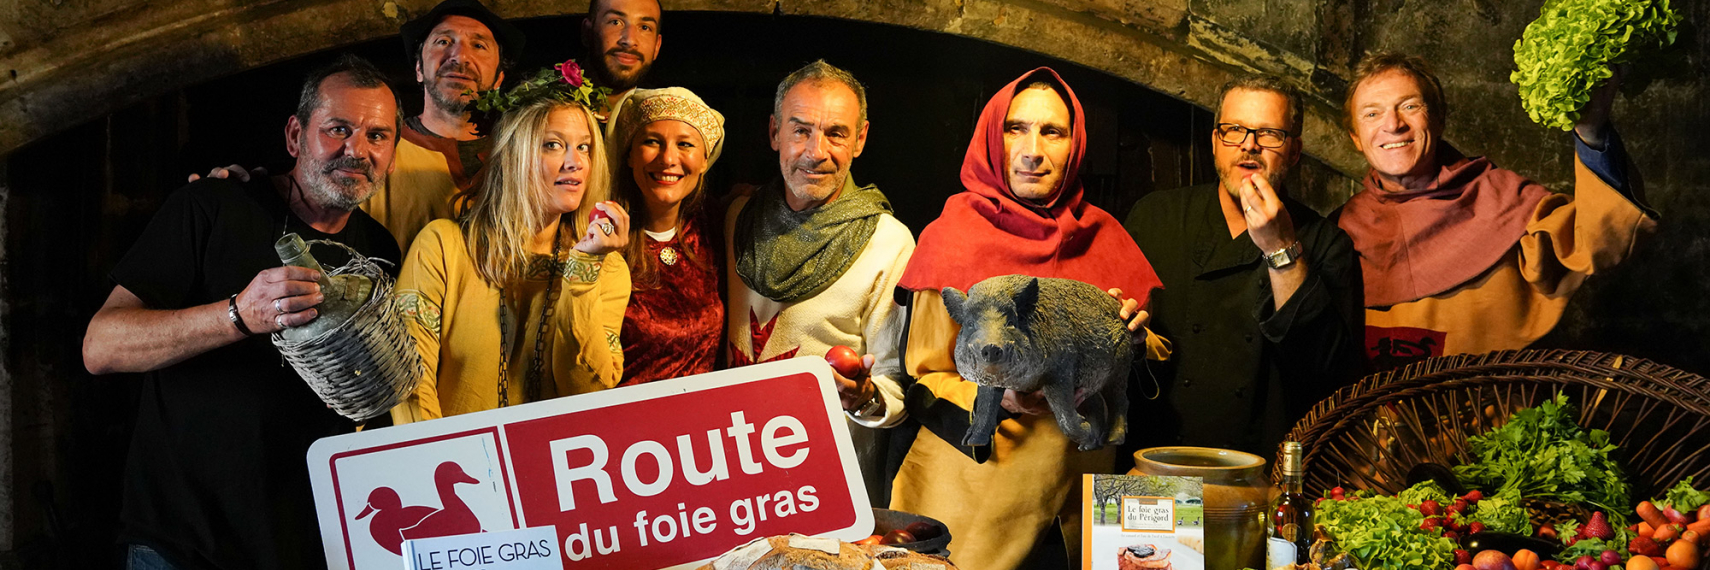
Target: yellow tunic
<point>420,191</point>
<point>454,316</point>
<point>995,509</point>
<point>1521,298</point>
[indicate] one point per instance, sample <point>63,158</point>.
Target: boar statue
<point>1060,337</point>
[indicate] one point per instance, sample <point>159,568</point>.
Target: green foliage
<point>1425,491</point>
<point>1543,454</point>
<point>1683,497</point>
<point>1567,51</point>
<point>1383,534</point>
<point>546,84</point>
<point>1594,547</point>
<point>1502,512</point>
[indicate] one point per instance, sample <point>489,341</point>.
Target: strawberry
<point>1430,524</point>
<point>1431,508</point>
<point>1598,527</point>
<point>1644,546</point>
<point>1459,507</point>
<point>1473,496</point>
<point>1476,527</point>
<point>1463,557</point>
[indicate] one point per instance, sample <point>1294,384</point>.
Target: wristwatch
<point>1284,257</point>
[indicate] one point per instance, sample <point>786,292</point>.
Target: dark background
<point>77,199</point>
<point>86,193</point>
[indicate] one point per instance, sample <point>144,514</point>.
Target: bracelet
<point>232,313</point>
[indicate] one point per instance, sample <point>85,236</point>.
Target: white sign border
<point>321,454</point>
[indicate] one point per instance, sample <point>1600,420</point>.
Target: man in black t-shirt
<point>216,476</point>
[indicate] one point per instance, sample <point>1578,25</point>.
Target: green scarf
<point>788,255</point>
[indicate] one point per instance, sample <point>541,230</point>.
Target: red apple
<point>596,214</point>
<point>846,362</point>
<point>921,529</point>
<point>898,536</point>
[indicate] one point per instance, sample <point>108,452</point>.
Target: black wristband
<point>237,320</point>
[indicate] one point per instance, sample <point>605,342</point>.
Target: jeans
<point>139,557</point>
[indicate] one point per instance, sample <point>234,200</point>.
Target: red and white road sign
<point>662,475</point>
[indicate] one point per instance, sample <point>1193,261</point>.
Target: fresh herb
<point>1567,51</point>
<point>1594,547</point>
<point>1683,497</point>
<point>1503,512</point>
<point>1425,491</point>
<point>1543,454</point>
<point>1383,534</point>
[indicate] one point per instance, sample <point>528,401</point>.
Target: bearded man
<point>623,39</point>
<point>1260,296</point>
<point>215,477</point>
<point>458,48</point>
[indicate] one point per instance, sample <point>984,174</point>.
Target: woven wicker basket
<point>368,363</point>
<point>1368,435</point>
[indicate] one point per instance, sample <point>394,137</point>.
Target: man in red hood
<point>1021,213</point>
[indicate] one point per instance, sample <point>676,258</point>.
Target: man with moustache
<point>458,48</point>
<point>1459,256</point>
<point>215,477</point>
<point>1022,212</point>
<point>624,38</point>
<point>813,258</point>
<point>1260,299</point>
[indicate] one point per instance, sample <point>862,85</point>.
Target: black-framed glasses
<point>1233,135</point>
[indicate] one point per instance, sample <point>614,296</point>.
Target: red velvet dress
<point>674,329</point>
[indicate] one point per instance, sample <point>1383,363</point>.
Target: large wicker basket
<point>1368,435</point>
<point>366,365</point>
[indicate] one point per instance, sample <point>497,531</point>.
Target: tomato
<point>846,362</point>
<point>898,536</point>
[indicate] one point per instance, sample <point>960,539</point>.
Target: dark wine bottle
<point>1291,515</point>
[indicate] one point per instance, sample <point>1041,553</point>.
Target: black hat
<point>415,31</point>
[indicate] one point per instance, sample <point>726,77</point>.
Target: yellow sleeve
<point>1572,236</point>
<point>419,299</point>
<point>614,300</point>
<point>932,351</point>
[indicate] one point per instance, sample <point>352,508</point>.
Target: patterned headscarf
<point>668,104</point>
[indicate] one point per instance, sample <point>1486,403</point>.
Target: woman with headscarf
<point>521,298</point>
<point>665,143</point>
<point>1021,213</point>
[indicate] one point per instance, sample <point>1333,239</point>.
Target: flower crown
<point>564,82</point>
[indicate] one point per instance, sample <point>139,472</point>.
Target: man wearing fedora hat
<point>458,48</point>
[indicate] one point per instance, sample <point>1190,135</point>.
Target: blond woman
<point>521,299</point>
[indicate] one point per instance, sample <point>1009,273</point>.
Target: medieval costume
<point>996,499</point>
<point>803,282</point>
<point>480,343</point>
<point>675,322</point>
<point>1484,259</point>
<point>428,170</point>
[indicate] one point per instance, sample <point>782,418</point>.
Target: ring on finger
<point>606,227</point>
<point>277,307</point>
<point>279,320</point>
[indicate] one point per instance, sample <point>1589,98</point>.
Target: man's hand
<point>242,174</point>
<point>1268,222</point>
<point>597,241</point>
<point>854,394</point>
<point>1025,403</point>
<point>280,298</point>
<point>1593,125</point>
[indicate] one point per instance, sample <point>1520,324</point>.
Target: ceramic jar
<point>1236,491</point>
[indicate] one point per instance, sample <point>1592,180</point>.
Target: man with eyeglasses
<point>1260,293</point>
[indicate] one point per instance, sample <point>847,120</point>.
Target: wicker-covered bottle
<point>344,293</point>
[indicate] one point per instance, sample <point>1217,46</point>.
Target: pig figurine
<point>1059,336</point>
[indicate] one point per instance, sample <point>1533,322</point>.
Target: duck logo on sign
<point>394,523</point>
<point>392,494</point>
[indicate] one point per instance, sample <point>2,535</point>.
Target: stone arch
<point>110,54</point>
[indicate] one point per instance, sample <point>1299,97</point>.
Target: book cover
<point>1137,522</point>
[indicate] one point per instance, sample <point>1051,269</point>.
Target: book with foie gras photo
<point>1142,522</point>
